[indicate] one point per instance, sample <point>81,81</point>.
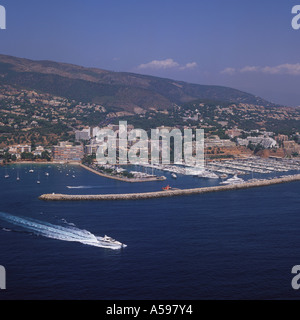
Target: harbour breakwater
<point>168,193</point>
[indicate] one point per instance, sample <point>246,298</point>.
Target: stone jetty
<point>123,179</point>
<point>169,193</point>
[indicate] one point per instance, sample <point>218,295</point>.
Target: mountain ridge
<point>122,90</point>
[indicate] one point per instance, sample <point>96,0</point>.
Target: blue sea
<point>228,245</point>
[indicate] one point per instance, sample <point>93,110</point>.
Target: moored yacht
<point>234,180</point>
<point>208,174</point>
<point>38,180</point>
<point>193,171</point>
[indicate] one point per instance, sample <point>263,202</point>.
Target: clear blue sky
<point>248,45</point>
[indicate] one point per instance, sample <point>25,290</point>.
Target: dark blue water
<point>231,245</point>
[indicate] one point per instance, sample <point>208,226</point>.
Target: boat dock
<point>253,165</point>
<point>123,179</point>
<point>169,193</point>
<point>232,167</point>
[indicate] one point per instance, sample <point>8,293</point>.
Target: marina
<point>215,169</point>
<point>163,180</point>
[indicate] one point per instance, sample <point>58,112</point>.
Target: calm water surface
<point>230,245</point>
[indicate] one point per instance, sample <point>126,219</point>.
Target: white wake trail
<point>84,187</point>
<point>69,233</point>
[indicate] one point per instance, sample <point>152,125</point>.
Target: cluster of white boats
<point>192,171</point>
<point>47,174</point>
<point>248,166</point>
<point>30,171</point>
<point>223,169</point>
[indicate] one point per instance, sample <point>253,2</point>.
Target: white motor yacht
<point>234,180</point>
<point>111,241</point>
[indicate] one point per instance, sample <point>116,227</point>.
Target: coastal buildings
<point>17,150</point>
<point>38,151</point>
<point>291,147</point>
<point>232,133</point>
<point>241,144</point>
<point>215,141</point>
<point>95,132</point>
<point>65,151</point>
<point>282,137</point>
<point>91,148</point>
<point>83,135</point>
<point>266,142</point>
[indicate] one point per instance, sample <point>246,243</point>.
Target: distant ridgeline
<point>2,17</point>
<point>119,90</point>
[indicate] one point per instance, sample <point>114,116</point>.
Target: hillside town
<point>41,127</point>
<point>240,144</point>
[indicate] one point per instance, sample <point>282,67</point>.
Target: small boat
<point>167,188</point>
<point>174,175</point>
<point>31,171</point>
<point>18,176</point>
<point>47,174</point>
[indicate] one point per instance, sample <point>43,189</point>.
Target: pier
<point>123,179</point>
<point>169,193</point>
